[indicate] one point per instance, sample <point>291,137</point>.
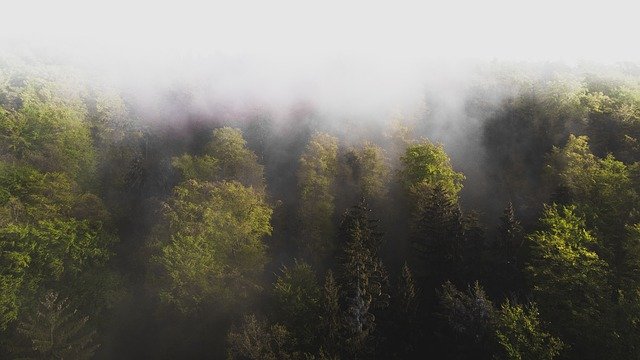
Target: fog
<point>357,64</point>
<point>460,73</point>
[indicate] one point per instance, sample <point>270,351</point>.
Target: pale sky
<point>605,31</point>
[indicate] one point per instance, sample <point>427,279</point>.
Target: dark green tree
<point>332,317</point>
<point>437,235</point>
<point>470,318</point>
<point>298,299</point>
<point>364,279</point>
<point>55,331</point>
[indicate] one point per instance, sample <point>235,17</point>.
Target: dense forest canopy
<point>503,224</point>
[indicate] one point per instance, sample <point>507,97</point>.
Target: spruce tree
<point>365,281</point>
<point>403,326</point>
<point>511,237</point>
<point>437,234</point>
<point>56,332</point>
<point>331,320</point>
<point>507,270</point>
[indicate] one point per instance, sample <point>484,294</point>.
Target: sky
<point>351,58</point>
<point>304,31</point>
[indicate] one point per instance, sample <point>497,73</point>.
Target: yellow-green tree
<point>569,278</point>
<point>210,247</point>
<point>316,180</point>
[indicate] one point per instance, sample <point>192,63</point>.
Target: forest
<point>508,228</point>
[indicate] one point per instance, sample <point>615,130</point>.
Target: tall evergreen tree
<point>403,329</point>
<point>55,331</point>
<point>506,275</point>
<point>364,279</point>
<point>437,235</point>
<point>331,319</point>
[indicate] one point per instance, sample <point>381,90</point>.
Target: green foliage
<point>55,331</point>
<point>234,160</point>
<point>256,340</point>
<point>48,133</point>
<point>569,278</point>
<point>211,247</point>
<point>602,189</point>
<point>404,325</point>
<point>331,318</point>
<point>49,232</point>
<point>428,164</point>
<point>407,293</point>
<point>298,298</point>
<point>470,315</point>
<point>367,171</point>
<point>364,279</point>
<point>437,233</point>
<point>521,336</point>
<point>506,255</point>
<point>316,178</point>
<point>204,168</point>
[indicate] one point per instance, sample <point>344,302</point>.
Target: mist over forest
<point>321,183</point>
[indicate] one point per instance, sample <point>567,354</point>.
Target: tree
<point>471,318</point>
<point>521,336</point>
<point>364,279</point>
<point>403,329</point>
<point>506,271</point>
<point>332,317</point>
<point>602,190</point>
<point>204,168</point>
<point>426,163</point>
<point>55,331</point>
<point>48,132</point>
<point>298,299</point>
<point>569,278</point>
<point>436,224</point>
<point>316,179</point>
<point>437,234</point>
<point>234,160</point>
<point>210,246</point>
<point>366,173</point>
<point>256,340</point>
<point>407,293</point>
<point>50,233</point>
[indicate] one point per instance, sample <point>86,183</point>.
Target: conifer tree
<point>365,281</point>
<point>56,332</point>
<point>437,234</point>
<point>507,271</point>
<point>331,320</point>
<point>403,330</point>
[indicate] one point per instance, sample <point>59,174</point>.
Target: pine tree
<point>365,281</point>
<point>437,234</point>
<point>506,274</point>
<point>331,315</point>
<point>470,318</point>
<point>407,293</point>
<point>511,237</point>
<point>56,332</point>
<point>403,326</point>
